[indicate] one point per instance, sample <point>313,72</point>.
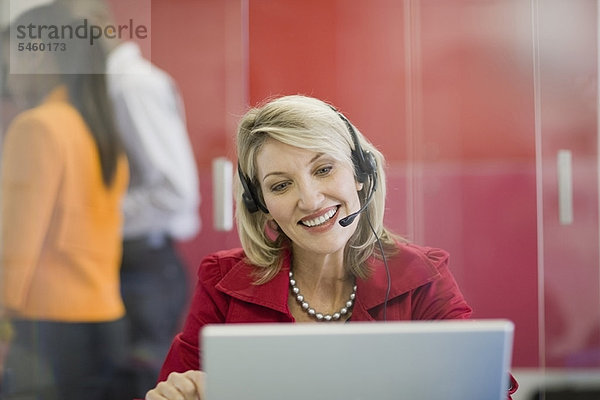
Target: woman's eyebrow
<point>315,158</point>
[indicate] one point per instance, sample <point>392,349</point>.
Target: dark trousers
<point>63,361</point>
<point>155,291</point>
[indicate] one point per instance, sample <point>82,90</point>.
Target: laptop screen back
<point>431,360</point>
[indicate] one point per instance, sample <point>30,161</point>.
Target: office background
<point>487,112</point>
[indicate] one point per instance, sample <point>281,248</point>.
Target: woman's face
<point>307,193</point>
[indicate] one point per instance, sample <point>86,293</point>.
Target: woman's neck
<point>324,283</point>
<point>321,276</point>
<point>319,267</point>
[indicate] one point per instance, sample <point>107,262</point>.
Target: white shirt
<point>163,196</point>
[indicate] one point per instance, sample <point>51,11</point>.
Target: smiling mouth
<point>320,220</point>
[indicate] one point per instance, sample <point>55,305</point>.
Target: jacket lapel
<point>239,283</point>
<point>408,270</point>
<point>407,273</point>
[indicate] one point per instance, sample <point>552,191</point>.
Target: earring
<point>273,225</point>
<point>272,229</point>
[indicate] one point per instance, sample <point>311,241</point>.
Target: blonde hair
<point>311,124</point>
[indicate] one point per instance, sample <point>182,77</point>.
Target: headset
<point>250,196</point>
<point>365,168</point>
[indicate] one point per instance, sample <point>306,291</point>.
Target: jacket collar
<point>239,283</point>
<point>408,271</point>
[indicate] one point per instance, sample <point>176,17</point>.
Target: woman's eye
<point>324,170</point>
<point>279,187</point>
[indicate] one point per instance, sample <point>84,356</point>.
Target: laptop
<point>414,360</point>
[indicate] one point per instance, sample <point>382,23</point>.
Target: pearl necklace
<point>317,315</point>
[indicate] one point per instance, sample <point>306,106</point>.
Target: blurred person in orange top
<point>63,177</point>
<point>161,206</point>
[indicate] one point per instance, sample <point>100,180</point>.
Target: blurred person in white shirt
<point>161,205</point>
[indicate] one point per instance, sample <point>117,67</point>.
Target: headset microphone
<point>347,220</point>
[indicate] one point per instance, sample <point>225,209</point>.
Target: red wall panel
<point>448,91</point>
<point>568,73</point>
<point>468,131</point>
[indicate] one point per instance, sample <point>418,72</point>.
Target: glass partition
<point>487,114</point>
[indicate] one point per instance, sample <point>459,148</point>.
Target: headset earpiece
<point>365,164</point>
<point>250,196</point>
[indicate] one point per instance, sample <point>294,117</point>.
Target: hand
<point>187,385</point>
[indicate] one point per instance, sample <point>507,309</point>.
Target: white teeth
<point>320,220</point>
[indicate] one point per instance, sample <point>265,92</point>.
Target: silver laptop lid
<point>429,360</point>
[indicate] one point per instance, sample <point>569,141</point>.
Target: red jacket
<point>422,288</point>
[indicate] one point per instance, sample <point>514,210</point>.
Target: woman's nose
<point>310,195</point>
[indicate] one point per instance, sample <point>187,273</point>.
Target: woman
<point>308,253</point>
<point>63,177</point>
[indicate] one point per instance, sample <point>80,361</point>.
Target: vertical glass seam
<point>245,18</point>
<point>414,171</point>
<point>598,125</point>
<point>537,92</point>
